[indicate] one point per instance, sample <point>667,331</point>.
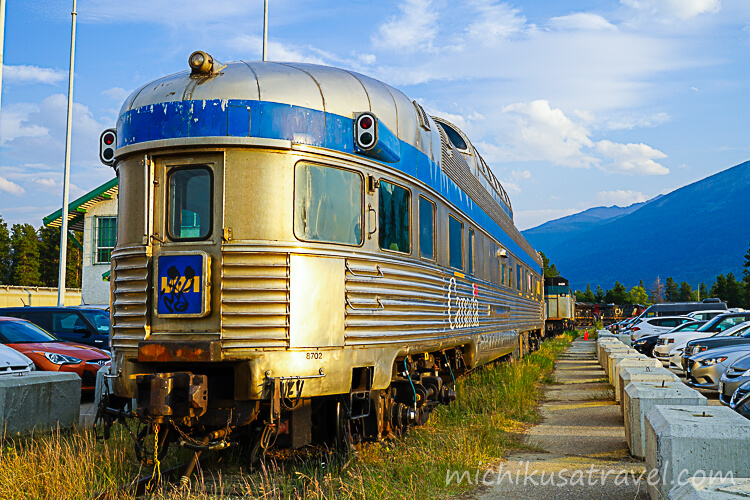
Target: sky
<point>573,103</point>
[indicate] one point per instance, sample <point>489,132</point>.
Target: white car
<point>706,315</point>
<point>670,346</point>
<point>655,325</point>
<point>12,361</point>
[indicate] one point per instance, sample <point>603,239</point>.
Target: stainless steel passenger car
<point>280,272</point>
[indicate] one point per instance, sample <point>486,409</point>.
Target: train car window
<point>327,204</point>
<point>426,228</point>
<point>519,277</point>
<point>502,274</point>
<point>510,276</point>
<point>454,136</point>
<point>455,242</point>
<point>471,251</point>
<point>394,215</point>
<point>190,207</point>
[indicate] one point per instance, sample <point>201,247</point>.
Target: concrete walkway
<point>579,447</point>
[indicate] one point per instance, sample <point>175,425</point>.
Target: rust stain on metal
<point>167,351</point>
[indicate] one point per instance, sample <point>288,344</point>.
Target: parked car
<point>721,326</point>
<point>50,353</point>
<point>737,374</point>
<point>645,345</point>
<point>12,361</point>
<point>670,347</point>
<point>651,326</point>
<point>683,308</point>
<point>83,325</point>
<point>706,368</point>
<point>740,400</point>
<point>706,315</point>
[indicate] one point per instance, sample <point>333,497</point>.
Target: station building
<point>95,215</point>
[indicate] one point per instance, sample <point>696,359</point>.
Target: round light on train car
<point>107,146</point>
<point>200,62</point>
<point>365,131</point>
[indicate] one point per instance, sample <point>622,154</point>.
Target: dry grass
<point>477,430</point>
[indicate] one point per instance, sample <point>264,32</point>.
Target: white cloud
<point>525,219</point>
<point>542,133</point>
<point>495,21</point>
<point>520,174</point>
<point>277,51</point>
<point>620,197</point>
<point>629,122</point>
<point>169,12</point>
<point>32,74</point>
<point>631,158</point>
<point>681,9</point>
<point>413,29</point>
<point>582,21</point>
<point>118,94</point>
<point>10,187</point>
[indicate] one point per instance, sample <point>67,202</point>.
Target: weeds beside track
<point>494,405</point>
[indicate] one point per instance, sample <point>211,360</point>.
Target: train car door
<point>186,244</point>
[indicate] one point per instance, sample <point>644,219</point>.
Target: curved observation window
<point>190,206</point>
<point>454,136</point>
<point>327,204</point>
<point>394,217</point>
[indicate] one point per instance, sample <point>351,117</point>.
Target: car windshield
<point>99,319</point>
<point>688,327</point>
<point>22,332</point>
<point>721,323</point>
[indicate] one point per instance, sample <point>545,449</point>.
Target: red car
<point>52,354</point>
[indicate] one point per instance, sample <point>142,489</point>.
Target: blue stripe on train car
<point>271,120</point>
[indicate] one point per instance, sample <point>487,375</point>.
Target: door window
<point>190,205</point>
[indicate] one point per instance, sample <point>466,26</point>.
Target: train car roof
<point>312,105</point>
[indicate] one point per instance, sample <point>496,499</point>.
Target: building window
<point>393,217</point>
<point>426,228</point>
<point>327,204</point>
<point>190,203</point>
<point>105,238</point>
<point>455,242</point>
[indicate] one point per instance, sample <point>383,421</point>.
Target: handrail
<point>377,299</point>
<point>378,275</point>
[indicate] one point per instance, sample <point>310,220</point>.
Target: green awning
<point>77,208</point>
<point>105,276</point>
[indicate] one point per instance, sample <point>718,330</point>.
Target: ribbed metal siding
<point>391,301</point>
<point>130,276</point>
<point>254,299</point>
<point>455,166</point>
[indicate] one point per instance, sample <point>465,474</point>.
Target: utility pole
<point>66,175</point>
<point>2,43</point>
<point>265,29</point>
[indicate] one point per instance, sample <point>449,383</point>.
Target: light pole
<point>265,29</point>
<point>66,175</point>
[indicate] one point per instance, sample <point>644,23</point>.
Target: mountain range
<point>691,234</point>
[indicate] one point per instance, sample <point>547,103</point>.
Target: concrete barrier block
<point>640,361</point>
<point>600,344</point>
<point>39,401</point>
<point>630,374</point>
<point>615,357</point>
<point>609,349</point>
<point>625,339</point>
<point>682,441</point>
<point>640,397</point>
<point>705,488</point>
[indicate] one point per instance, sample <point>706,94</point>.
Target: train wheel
<point>344,439</point>
<point>259,445</point>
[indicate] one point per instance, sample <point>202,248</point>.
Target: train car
<point>303,254</point>
<point>560,303</point>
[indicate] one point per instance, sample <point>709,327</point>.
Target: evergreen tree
<point>589,295</point>
<point>686,292</point>
<point>640,284</point>
<point>6,253</point>
<point>49,255</point>
<point>719,288</point>
<point>703,292</point>
<point>599,295</point>
<point>550,271</point>
<point>619,294</point>
<point>735,297</point>
<point>671,294</point>
<point>580,297</point>
<point>25,266</point>
<point>657,291</point>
